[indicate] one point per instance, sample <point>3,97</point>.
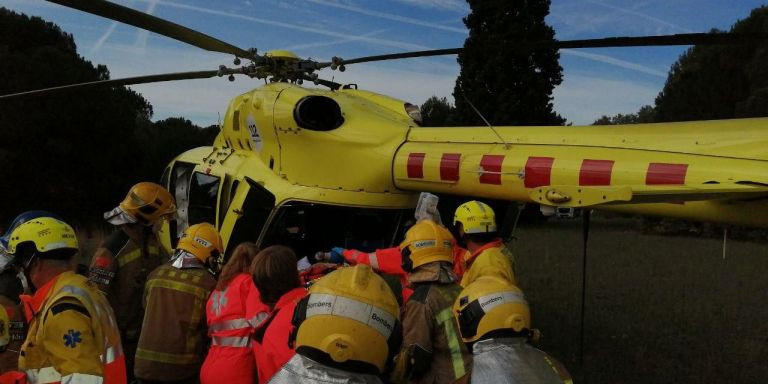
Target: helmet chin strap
<point>24,281</point>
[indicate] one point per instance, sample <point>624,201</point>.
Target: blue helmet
<point>21,219</point>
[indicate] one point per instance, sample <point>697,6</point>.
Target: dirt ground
<point>659,309</point>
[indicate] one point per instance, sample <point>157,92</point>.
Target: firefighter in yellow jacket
<point>173,344</point>
<point>72,333</point>
<point>123,261</point>
<point>475,223</point>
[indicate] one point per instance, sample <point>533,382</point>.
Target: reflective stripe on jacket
<point>493,259</point>
<point>303,370</point>
<point>173,337</point>
<point>513,361</point>
<point>232,315</point>
<point>120,268</point>
<point>272,350</point>
<point>432,350</point>
<point>74,337</point>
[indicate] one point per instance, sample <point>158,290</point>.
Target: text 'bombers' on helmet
<point>428,241</point>
<point>350,316</point>
<point>491,304</point>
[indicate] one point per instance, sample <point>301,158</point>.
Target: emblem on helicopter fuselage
<point>253,129</point>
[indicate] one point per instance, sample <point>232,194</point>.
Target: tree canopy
<point>437,112</point>
<point>508,86</point>
<point>77,152</point>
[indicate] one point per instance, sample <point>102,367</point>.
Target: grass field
<point>659,309</point>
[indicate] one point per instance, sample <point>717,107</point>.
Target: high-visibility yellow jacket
<point>72,336</point>
<point>493,259</point>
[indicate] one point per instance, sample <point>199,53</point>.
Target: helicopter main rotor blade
<point>155,24</point>
<point>118,82</point>
<point>639,41</point>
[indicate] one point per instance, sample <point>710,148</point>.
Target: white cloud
<point>583,98</point>
<point>292,26</point>
<point>642,15</point>
<point>448,5</point>
<point>616,62</point>
<point>389,16</point>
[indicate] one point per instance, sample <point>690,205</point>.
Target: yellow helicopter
<point>290,159</point>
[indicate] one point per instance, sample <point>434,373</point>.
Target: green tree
<point>75,153</point>
<point>719,82</point>
<point>508,85</point>
<point>436,112</point>
<point>646,114</point>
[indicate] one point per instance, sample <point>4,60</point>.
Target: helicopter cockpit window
<point>203,194</point>
<point>309,228</point>
<point>318,113</point>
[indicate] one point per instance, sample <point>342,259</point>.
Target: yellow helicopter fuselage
<point>353,148</point>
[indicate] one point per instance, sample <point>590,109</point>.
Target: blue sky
<point>596,81</point>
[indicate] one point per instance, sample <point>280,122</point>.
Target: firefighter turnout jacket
<point>492,259</point>
<point>120,268</point>
<point>432,350</point>
<point>172,345</point>
<point>72,335</point>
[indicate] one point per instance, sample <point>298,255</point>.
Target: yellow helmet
<point>492,306</point>
<point>146,202</point>
<point>475,217</point>
<point>203,241</point>
<point>5,329</point>
<point>426,242</point>
<point>51,238</point>
<point>349,320</point>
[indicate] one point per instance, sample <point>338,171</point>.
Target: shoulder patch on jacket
<point>420,292</point>
<point>67,306</point>
<point>116,241</point>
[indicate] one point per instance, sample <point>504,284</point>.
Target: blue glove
<point>337,255</point>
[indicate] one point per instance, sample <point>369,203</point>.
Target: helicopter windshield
<point>308,228</point>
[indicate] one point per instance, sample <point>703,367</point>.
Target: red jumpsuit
<point>390,261</point>
<point>232,316</point>
<point>270,344</point>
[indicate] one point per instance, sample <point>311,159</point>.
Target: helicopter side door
<point>249,206</point>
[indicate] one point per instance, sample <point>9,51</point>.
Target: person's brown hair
<point>239,262</point>
<point>274,272</point>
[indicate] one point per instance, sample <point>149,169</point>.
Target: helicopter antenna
<point>506,145</point>
<point>219,120</point>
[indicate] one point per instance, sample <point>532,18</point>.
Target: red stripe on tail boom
<point>666,174</point>
<point>595,172</point>
<point>449,166</point>
<point>492,165</point>
<point>416,165</point>
<point>538,171</point>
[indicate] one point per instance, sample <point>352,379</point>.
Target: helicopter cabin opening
<point>243,209</point>
<point>306,227</point>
